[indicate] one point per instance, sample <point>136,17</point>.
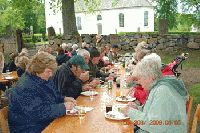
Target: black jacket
<point>66,82</point>
<point>62,58</point>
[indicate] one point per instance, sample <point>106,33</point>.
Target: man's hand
<point>94,82</point>
<point>87,87</point>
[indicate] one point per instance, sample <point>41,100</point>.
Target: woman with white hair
<point>165,108</point>
<point>74,49</point>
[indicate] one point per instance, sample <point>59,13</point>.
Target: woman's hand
<point>69,105</point>
<point>70,99</point>
<point>131,105</point>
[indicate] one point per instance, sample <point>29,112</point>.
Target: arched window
<point>99,17</point>
<point>121,20</point>
<point>146,18</point>
<point>78,21</point>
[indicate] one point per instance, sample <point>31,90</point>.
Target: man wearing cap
<point>67,76</point>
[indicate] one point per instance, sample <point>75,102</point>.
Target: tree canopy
<point>21,14</point>
<point>193,7</point>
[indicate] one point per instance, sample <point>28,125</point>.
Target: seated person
<point>66,78</point>
<point>11,64</point>
<point>61,57</point>
<point>113,54</point>
<point>21,62</point>
<point>94,60</point>
<point>35,102</point>
<point>166,101</point>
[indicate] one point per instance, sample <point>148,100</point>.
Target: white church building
<point>125,16</point>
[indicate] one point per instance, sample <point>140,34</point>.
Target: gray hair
<point>64,46</point>
<point>75,46</point>
<point>83,52</point>
<point>149,66</point>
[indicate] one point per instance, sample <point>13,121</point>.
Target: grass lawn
<point>193,62</point>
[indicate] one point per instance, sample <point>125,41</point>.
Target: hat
<point>79,61</point>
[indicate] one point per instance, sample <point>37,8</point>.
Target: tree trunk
<point>20,43</point>
<point>163,26</point>
<point>51,32</point>
<point>69,19</point>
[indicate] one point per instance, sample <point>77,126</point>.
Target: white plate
<point>126,99</point>
<point>85,109</point>
<point>115,115</point>
<point>89,93</point>
<point>9,77</point>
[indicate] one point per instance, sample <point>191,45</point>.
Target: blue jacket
<point>33,104</point>
<point>67,83</point>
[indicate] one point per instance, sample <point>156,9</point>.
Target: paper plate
<point>115,115</point>
<point>125,99</point>
<point>89,93</point>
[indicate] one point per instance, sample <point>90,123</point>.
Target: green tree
<point>10,17</point>
<point>192,6</point>
<point>166,11</point>
<point>32,12</point>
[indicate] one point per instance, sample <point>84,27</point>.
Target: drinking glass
<point>91,94</point>
<point>81,113</point>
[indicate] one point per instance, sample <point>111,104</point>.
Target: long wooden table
<point>12,74</point>
<point>94,121</point>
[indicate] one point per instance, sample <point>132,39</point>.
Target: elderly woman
<point>165,108</point>
<point>34,102</point>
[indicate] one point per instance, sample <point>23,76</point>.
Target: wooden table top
<point>12,74</point>
<point>94,121</point>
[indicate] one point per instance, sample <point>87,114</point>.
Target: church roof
<point>109,4</point>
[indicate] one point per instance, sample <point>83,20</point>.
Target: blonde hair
<point>22,61</point>
<point>141,45</point>
<point>40,62</point>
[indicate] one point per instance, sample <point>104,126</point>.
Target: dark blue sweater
<point>33,105</point>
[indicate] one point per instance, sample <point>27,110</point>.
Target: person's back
<point>30,105</point>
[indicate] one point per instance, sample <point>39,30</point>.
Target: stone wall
<point>129,42</point>
<point>8,44</point>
